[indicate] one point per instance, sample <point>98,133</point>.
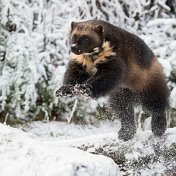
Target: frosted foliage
<point>142,11</point>
<point>18,13</point>
<point>20,73</point>
<point>34,47</point>
<point>173,99</point>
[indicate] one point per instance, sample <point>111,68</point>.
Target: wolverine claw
<point>64,91</point>
<point>58,93</point>
<point>83,89</point>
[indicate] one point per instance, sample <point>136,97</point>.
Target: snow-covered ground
<point>24,154</point>
<point>62,131</point>
<point>59,149</point>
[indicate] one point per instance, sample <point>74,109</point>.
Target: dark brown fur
<point>108,60</point>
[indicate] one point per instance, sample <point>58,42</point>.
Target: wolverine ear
<point>99,29</point>
<point>73,25</point>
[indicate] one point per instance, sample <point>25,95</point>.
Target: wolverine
<point>107,60</point>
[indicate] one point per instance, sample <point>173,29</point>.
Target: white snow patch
<point>27,155</point>
<point>24,154</point>
<point>62,131</point>
<point>173,98</point>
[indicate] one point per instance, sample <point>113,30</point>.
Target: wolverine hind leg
<point>156,102</point>
<point>122,104</point>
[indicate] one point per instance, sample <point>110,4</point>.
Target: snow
<point>62,131</point>
<point>33,60</point>
<point>173,98</point>
<point>161,21</point>
<point>24,154</point>
<point>144,154</point>
<point>72,150</point>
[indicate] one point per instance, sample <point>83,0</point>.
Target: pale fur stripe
<point>88,63</point>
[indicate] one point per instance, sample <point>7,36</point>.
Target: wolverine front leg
<point>74,74</point>
<point>108,75</point>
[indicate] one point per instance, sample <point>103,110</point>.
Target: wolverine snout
<point>75,49</point>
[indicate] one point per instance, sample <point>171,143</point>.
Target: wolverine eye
<point>84,40</point>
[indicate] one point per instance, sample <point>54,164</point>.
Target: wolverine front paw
<point>126,134</point>
<point>65,91</point>
<point>83,89</point>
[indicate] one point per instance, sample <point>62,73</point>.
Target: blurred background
<point>34,52</point>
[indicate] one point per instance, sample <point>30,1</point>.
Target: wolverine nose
<point>75,49</point>
<point>73,46</point>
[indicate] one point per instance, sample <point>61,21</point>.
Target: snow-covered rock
<point>144,155</point>
<point>24,154</point>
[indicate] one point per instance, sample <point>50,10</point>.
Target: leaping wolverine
<point>108,60</point>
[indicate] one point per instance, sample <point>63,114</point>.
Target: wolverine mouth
<point>95,51</point>
<point>75,49</point>
<point>78,52</point>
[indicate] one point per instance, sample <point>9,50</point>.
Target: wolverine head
<point>86,38</point>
